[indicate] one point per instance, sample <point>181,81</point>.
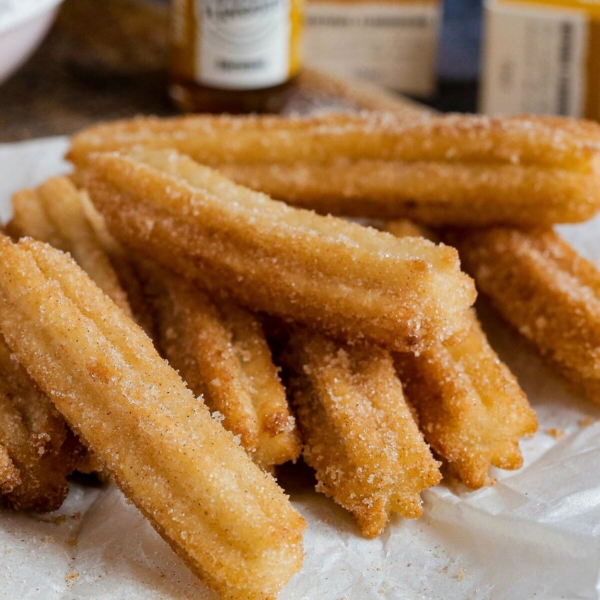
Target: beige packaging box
<point>391,42</point>
<point>541,57</point>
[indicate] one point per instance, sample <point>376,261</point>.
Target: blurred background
<point>110,59</point>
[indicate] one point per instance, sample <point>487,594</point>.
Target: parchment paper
<point>535,534</point>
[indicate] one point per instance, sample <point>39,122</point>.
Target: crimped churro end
<point>41,450</point>
<point>470,406</point>
<point>359,434</point>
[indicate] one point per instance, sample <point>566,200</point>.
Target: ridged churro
<point>359,433</point>
<point>540,285</point>
<point>461,170</point>
<point>218,510</point>
<point>325,272</point>
<point>126,267</point>
<point>471,408</point>
<point>221,352</point>
<point>37,449</point>
<point>547,141</point>
<point>54,213</point>
<point>438,194</point>
<point>10,477</point>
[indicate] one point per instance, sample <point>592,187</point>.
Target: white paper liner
<point>536,534</point>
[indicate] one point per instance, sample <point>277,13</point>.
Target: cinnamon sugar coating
<point>461,170</point>
<point>54,213</point>
<point>359,433</point>
<point>549,293</point>
<point>345,279</point>
<point>227,519</point>
<point>471,408</point>
<point>220,351</point>
<point>37,449</point>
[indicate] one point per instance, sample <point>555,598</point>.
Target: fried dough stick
<point>471,408</point>
<point>221,352</point>
<point>461,170</point>
<point>10,477</point>
<point>219,511</point>
<point>337,276</point>
<point>549,293</point>
<point>125,266</point>
<point>359,433</point>
<point>37,450</point>
<point>54,213</point>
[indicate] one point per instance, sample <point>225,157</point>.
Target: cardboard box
<point>541,57</point>
<point>391,43</point>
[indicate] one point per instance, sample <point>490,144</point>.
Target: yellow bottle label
<point>237,44</point>
<point>542,57</point>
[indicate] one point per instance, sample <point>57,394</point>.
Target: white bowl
<point>23,25</point>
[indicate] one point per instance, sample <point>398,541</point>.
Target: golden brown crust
<point>54,213</point>
<point>458,170</point>
<point>471,408</point>
<point>125,267</point>
<point>338,276</point>
<point>359,433</point>
<point>228,519</point>
<point>38,450</point>
<point>547,291</point>
<point>10,477</point>
<point>220,351</point>
<point>434,193</point>
<point>542,141</point>
<point>406,228</point>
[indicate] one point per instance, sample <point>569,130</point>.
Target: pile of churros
<point>184,314</point>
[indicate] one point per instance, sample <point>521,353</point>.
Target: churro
<point>218,510</point>
<point>37,450</point>
<point>549,293</point>
<point>125,266</point>
<point>461,170</point>
<point>10,477</point>
<point>359,433</point>
<point>471,408</point>
<point>221,352</point>
<point>324,272</point>
<point>54,213</point>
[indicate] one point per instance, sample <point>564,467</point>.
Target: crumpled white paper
<point>536,534</point>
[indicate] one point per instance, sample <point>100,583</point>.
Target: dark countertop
<point>107,60</point>
<point>101,60</point>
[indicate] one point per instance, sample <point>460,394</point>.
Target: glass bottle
<point>235,56</point>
